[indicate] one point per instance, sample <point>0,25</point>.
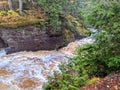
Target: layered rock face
<point>31,38</point>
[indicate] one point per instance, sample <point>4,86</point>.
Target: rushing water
<point>29,70</point>
<point>2,52</point>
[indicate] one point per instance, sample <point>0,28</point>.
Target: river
<point>29,70</point>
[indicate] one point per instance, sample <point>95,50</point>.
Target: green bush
<point>105,17</point>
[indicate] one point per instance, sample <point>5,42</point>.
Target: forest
<point>35,25</point>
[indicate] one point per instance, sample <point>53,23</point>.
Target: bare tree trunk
<point>21,7</point>
<point>10,4</point>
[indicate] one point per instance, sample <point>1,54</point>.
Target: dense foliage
<point>97,59</point>
<point>105,17</point>
<point>57,11</point>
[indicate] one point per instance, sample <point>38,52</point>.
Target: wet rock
<point>4,72</point>
<point>28,83</point>
<point>31,38</point>
<point>3,86</point>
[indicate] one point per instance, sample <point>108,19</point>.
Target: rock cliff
<point>31,38</point>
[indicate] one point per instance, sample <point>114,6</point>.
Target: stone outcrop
<point>31,38</point>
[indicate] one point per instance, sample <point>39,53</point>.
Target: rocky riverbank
<point>32,38</point>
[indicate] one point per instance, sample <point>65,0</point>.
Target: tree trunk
<point>10,4</point>
<point>21,7</point>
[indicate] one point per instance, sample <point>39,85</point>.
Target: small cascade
<point>2,52</point>
<point>93,30</point>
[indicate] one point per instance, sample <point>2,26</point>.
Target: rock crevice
<point>2,43</point>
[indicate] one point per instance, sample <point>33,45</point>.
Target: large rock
<point>31,38</point>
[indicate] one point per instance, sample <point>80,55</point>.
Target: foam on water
<point>31,64</point>
<point>88,40</point>
<point>2,52</point>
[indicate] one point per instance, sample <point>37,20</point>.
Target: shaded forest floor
<point>12,19</point>
<point>110,82</point>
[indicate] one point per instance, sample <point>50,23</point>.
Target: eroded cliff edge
<point>33,38</point>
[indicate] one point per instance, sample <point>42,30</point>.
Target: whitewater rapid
<point>29,70</point>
